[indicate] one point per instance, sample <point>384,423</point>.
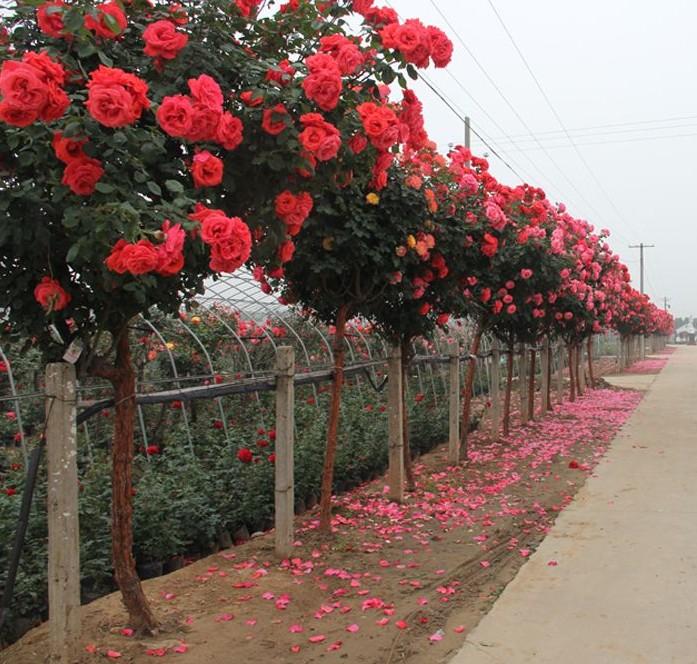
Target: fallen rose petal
<point>91,648</point>
<point>296,629</point>
<point>552,563</point>
<point>181,648</point>
<point>334,646</point>
<point>224,617</point>
<point>127,631</point>
<point>459,629</point>
<point>295,648</point>
<point>400,624</point>
<point>113,654</point>
<point>524,552</point>
<point>382,622</point>
<point>156,652</point>
<point>317,639</point>
<point>436,636</point>
<point>352,628</point>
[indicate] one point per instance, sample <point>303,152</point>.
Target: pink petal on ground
<point>459,629</point>
<point>296,629</point>
<point>113,654</point>
<point>251,622</point>
<point>127,631</point>
<point>225,617</point>
<point>91,648</point>
<point>317,639</point>
<point>352,628</point>
<point>382,622</point>
<point>436,636</point>
<point>485,563</point>
<point>156,652</point>
<point>334,646</point>
<point>295,648</point>
<point>400,624</point>
<point>524,552</point>
<point>552,563</point>
<point>181,648</point>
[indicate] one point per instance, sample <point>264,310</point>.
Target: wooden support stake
<point>454,403</point>
<point>495,388</point>
<point>63,523</point>
<point>523,384</point>
<point>545,376</point>
<point>285,431</point>
<point>395,435</point>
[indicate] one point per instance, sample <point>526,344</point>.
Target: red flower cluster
<point>246,7</point>
<point>245,455</point>
<point>380,124</point>
<point>323,83</point>
<point>228,237</point>
<point>162,40</point>
<point>320,139</point>
<point>98,23</point>
<point>51,295</point>
<point>293,209</point>
<point>81,173</point>
<point>346,53</point>
<point>143,257</point>
<point>417,43</point>
<point>31,90</point>
<point>116,98</point>
<point>200,117</point>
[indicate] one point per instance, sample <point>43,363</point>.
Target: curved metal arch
<point>176,376</point>
<point>18,408</point>
<point>202,346</point>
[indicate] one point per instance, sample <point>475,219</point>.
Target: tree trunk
<point>325,514</point>
<point>408,467</point>
<point>578,368</point>
<point>572,378</point>
<point>507,395</point>
<point>549,377</point>
<point>140,614</point>
<point>591,377</point>
<point>469,382</point>
<point>531,385</point>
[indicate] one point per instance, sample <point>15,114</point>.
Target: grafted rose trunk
<point>572,377</point>
<point>408,466</point>
<point>469,383</point>
<point>591,376</point>
<point>325,514</point>
<point>140,614</point>
<point>509,390</point>
<point>549,377</point>
<point>531,385</point>
<point>578,369</point>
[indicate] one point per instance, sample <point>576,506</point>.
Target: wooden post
<point>285,431</point>
<point>454,403</point>
<point>545,376</point>
<point>495,395</point>
<point>523,384</point>
<point>560,372</point>
<point>63,525</point>
<point>395,434</point>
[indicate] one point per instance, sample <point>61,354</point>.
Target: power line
<point>636,139</point>
<point>552,108</point>
<point>608,125</point>
<point>513,109</point>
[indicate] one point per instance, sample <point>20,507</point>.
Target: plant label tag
<point>72,354</point>
<point>55,334</point>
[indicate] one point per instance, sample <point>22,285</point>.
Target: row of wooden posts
<point>61,440</point>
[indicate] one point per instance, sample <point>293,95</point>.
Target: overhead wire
<point>554,111</point>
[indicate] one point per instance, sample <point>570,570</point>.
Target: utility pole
<point>468,137</point>
<point>665,303</point>
<point>641,248</point>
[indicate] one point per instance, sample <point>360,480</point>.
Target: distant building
<point>687,334</point>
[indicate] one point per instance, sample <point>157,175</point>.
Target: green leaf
<point>413,74</point>
<point>154,188</point>
<point>111,23</point>
<point>104,188</point>
<point>73,19</point>
<point>105,59</point>
<point>73,253</point>
<point>174,186</point>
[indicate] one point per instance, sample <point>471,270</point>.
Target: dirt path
<point>398,583</point>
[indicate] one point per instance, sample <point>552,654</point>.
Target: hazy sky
<point>629,64</point>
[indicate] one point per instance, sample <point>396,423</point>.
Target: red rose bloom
<point>207,170</point>
<point>204,123</point>
<point>275,120</point>
<point>82,174</point>
<point>97,22</point>
<point>293,210</point>
<point>490,245</point>
<point>248,99</point>
<point>116,98</point>
<point>51,22</point>
<point>320,138</point>
<point>441,47</point>
<point>140,258</point>
<point>286,251</point>
<point>245,455</point>
<point>323,85</point>
<point>163,41</point>
<point>170,253</point>
<point>67,149</point>
<point>51,295</point>
<point>175,116</point>
<point>206,91</point>
<point>231,253</point>
<point>380,123</point>
<point>229,131</point>
<point>22,86</point>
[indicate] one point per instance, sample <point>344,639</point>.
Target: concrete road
<point>624,590</point>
